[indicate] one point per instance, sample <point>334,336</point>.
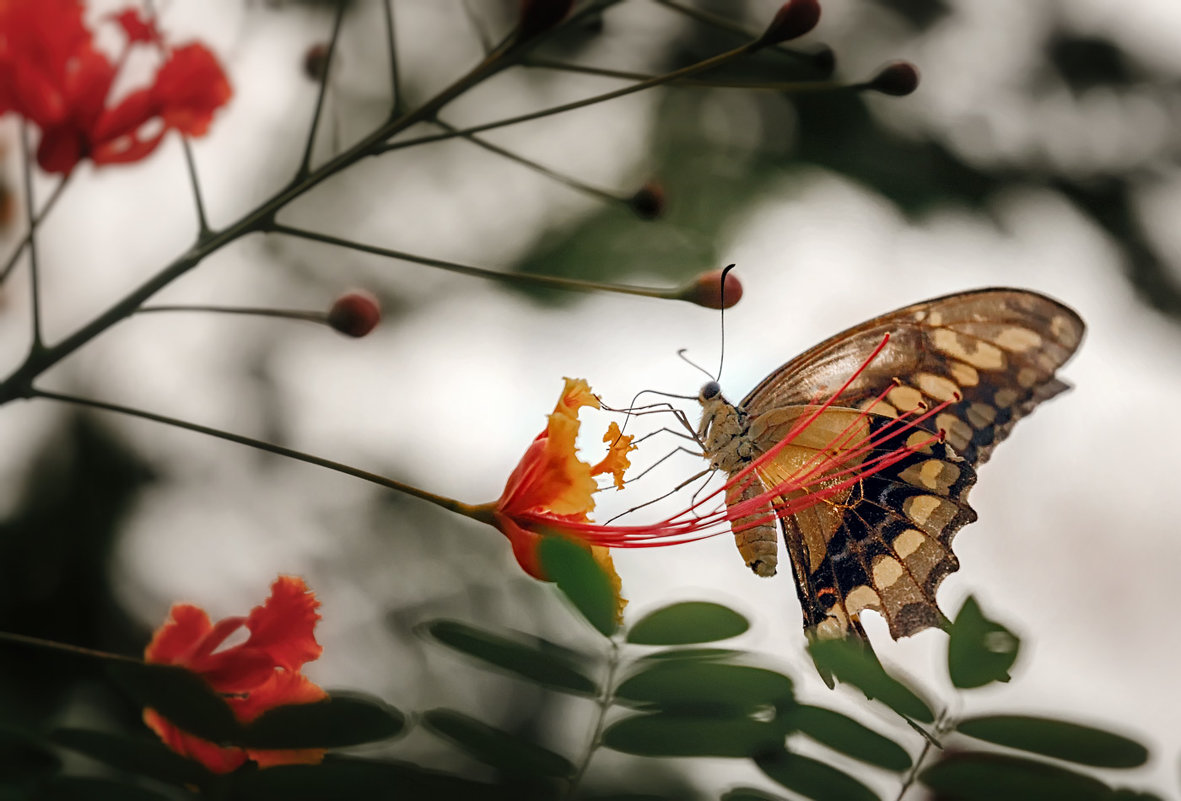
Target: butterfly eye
<point>710,391</point>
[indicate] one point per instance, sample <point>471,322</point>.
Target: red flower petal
<point>179,637</point>
<point>213,757</point>
<point>189,87</point>
<point>136,27</point>
<point>284,687</point>
<point>61,148</point>
<point>284,626</point>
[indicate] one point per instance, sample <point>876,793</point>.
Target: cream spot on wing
<point>964,373</point>
<point>977,353</point>
<point>934,318</point>
<point>905,398</point>
<point>862,598</point>
<point>831,628</point>
<point>920,441</point>
<point>938,387</point>
<point>1005,397</point>
<point>1018,339</point>
<point>879,407</point>
<point>908,542</point>
<point>932,474</point>
<point>920,507</point>
<point>981,415</point>
<point>1027,377</point>
<point>886,570</point>
<point>959,433</point>
<point>1063,328</point>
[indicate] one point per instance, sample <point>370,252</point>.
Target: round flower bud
<point>793,20</point>
<point>707,290</point>
<point>898,78</point>
<point>355,314</point>
<point>648,202</point>
<point>315,62</point>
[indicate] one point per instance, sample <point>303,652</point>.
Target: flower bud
<point>898,78</point>
<point>355,314</point>
<point>793,20</point>
<point>648,202</point>
<point>538,16</point>
<point>707,290</point>
<point>315,62</point>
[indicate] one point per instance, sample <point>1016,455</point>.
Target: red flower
<point>259,674</point>
<point>53,76</point>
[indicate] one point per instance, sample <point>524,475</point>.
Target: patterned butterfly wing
<point>885,542</point>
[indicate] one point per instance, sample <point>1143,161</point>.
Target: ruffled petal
<point>283,627</point>
<point>616,460</point>
<point>212,756</point>
<point>189,88</point>
<point>175,641</point>
<point>284,687</point>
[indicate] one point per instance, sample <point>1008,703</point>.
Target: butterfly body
<point>976,361</point>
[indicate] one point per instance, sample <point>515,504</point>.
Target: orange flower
<point>551,490</point>
<point>53,76</point>
<point>259,674</point>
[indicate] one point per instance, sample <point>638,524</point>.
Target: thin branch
<point>202,221</point>
<point>724,23</point>
<point>793,87</point>
<point>566,180</point>
<point>929,741</point>
<point>391,41</point>
<point>604,701</point>
<point>74,650</point>
<point>34,272</point>
<point>290,314</point>
<point>34,223</point>
<point>528,279</point>
<point>449,504</point>
<point>305,162</point>
<point>658,80</point>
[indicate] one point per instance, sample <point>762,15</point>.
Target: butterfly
<point>953,376</point>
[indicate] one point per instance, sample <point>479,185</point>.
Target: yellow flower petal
<point>616,461</point>
<point>576,395</point>
<point>602,556</point>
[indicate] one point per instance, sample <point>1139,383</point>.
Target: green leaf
<point>23,758</point>
<point>341,720</point>
<point>348,778</point>
<point>979,650</point>
<point>689,622</point>
<point>812,779</point>
<point>139,755</point>
<point>572,567</point>
<point>702,685</point>
<point>851,661</point>
<point>750,794</point>
<point>1057,738</point>
<point>531,658</point>
<point>492,746</point>
<point>688,735</point>
<point>705,654</point>
<point>987,777</point>
<point>179,695</point>
<point>1124,794</point>
<point>77,788</point>
<point>843,734</point>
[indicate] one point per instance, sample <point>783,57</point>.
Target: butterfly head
<point>709,392</point>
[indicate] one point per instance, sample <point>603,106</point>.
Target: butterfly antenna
<point>689,361</point>
<point>722,316</point>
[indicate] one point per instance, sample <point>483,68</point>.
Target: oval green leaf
<point>686,735</point>
<point>703,685</point>
<point>571,566</point>
<point>842,733</point>
<point>987,777</point>
<point>22,758</point>
<point>812,779</point>
<point>750,794</point>
<point>138,755</point>
<point>339,721</point>
<point>492,746</point>
<point>853,662</point>
<point>181,696</point>
<point>78,788</point>
<point>704,654</point>
<point>1057,738</point>
<point>979,650</point>
<point>686,623</point>
<point>345,778</point>
<point>530,658</point>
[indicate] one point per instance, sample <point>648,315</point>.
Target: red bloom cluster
<point>52,74</point>
<point>259,674</point>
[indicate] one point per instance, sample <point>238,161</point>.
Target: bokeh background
<point>1040,151</point>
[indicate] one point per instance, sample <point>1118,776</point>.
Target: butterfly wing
<point>885,542</point>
